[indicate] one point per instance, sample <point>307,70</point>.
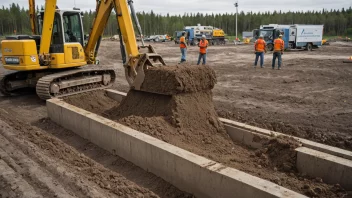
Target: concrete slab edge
<point>185,170</point>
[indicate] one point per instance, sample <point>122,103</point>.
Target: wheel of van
<point>270,47</point>
<point>309,47</point>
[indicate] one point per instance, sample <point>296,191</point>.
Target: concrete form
<point>307,143</point>
<point>335,170</point>
<point>187,171</point>
<point>313,158</point>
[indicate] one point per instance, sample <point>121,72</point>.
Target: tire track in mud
<point>48,177</point>
<point>73,171</point>
<point>43,182</point>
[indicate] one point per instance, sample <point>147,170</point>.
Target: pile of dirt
<point>279,153</point>
<point>178,79</point>
<point>188,115</point>
<point>94,101</point>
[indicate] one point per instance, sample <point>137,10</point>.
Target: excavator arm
<point>135,63</point>
<point>45,42</point>
<point>32,16</point>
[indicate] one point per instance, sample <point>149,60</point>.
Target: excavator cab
<point>67,39</point>
<point>67,27</point>
<point>22,52</point>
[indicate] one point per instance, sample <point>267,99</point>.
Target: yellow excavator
<point>52,59</point>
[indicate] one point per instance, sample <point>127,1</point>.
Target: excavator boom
<point>135,63</point>
<point>32,16</point>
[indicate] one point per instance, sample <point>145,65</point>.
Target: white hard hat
<point>280,35</point>
<point>203,36</point>
<point>261,36</point>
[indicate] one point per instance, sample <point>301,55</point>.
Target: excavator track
<point>3,90</point>
<point>74,81</point>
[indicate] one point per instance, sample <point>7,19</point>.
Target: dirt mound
<point>279,153</point>
<point>189,115</point>
<point>94,101</point>
<point>173,80</point>
<point>188,112</point>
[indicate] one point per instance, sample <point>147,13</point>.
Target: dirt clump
<point>94,101</point>
<point>279,152</point>
<point>171,80</point>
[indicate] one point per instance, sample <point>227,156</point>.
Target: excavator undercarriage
<point>50,84</point>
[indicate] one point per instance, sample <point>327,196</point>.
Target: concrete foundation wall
<point>306,143</point>
<point>185,170</point>
<point>331,169</point>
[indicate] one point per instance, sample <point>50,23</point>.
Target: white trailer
<point>295,36</point>
<point>307,35</point>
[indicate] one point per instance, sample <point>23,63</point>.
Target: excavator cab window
<point>56,38</point>
<point>72,27</point>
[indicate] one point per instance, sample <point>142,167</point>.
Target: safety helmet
<point>203,36</point>
<point>280,35</point>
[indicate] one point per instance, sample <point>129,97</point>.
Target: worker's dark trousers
<point>278,55</point>
<point>257,55</point>
<point>204,56</point>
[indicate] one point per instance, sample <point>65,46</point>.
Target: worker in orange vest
<point>260,48</point>
<point>279,46</point>
<point>203,45</point>
<point>183,47</point>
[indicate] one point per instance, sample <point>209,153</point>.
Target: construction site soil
<point>189,121</point>
<point>310,97</point>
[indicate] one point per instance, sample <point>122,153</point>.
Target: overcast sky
<point>206,6</point>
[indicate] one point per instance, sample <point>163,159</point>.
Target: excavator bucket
<point>149,60</point>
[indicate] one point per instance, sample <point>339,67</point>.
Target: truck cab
<point>177,36</point>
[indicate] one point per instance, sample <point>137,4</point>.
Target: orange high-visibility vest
<point>182,42</point>
<point>203,46</point>
<point>279,45</point>
<point>259,45</point>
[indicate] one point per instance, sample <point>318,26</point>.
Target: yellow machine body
<point>20,55</point>
<point>218,33</point>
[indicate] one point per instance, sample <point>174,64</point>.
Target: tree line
<point>336,22</point>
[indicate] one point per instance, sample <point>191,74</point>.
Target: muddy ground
<point>310,97</point>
